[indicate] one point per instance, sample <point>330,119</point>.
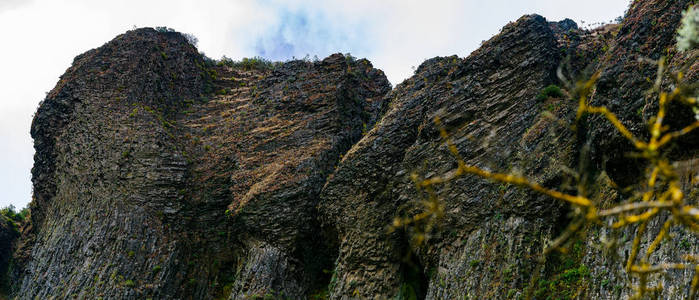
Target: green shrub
<point>551,91</point>
<point>11,213</point>
<point>252,63</point>
<point>129,283</point>
<point>474,263</point>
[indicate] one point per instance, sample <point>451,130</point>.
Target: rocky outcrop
<point>627,72</point>
<point>104,168</point>
<point>267,150</point>
<point>487,102</point>
<point>492,235</point>
<point>149,185</point>
<point>647,33</point>
<point>162,174</point>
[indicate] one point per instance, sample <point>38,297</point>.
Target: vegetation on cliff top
<point>12,214</point>
<point>253,63</point>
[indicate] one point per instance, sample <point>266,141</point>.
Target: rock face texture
<point>487,101</point>
<point>8,235</point>
<point>148,185</point>
<point>492,234</point>
<point>104,169</point>
<point>162,174</point>
<point>271,144</point>
<point>648,32</point>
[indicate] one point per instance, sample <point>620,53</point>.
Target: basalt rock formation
<point>162,174</point>
<point>648,32</point>
<point>486,100</point>
<point>491,234</point>
<point>148,185</point>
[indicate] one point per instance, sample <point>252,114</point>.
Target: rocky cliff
<point>487,101</point>
<point>492,234</point>
<point>150,185</point>
<point>161,174</point>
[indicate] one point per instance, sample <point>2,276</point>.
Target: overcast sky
<point>40,38</point>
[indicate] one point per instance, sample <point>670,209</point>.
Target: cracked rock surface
<point>162,174</point>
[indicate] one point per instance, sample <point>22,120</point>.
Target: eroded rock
<point>159,174</point>
<point>149,185</point>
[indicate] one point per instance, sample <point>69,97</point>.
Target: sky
<point>40,38</point>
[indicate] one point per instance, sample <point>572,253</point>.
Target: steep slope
<point>648,32</point>
<point>491,236</point>
<point>137,163</point>
<point>161,174</point>
<point>263,150</point>
<point>487,101</point>
<point>101,175</point>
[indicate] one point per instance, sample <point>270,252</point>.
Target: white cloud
<point>41,37</point>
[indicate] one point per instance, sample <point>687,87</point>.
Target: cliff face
<point>488,102</point>
<point>147,185</point>
<point>648,32</point>
<point>104,169</point>
<point>161,175</point>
